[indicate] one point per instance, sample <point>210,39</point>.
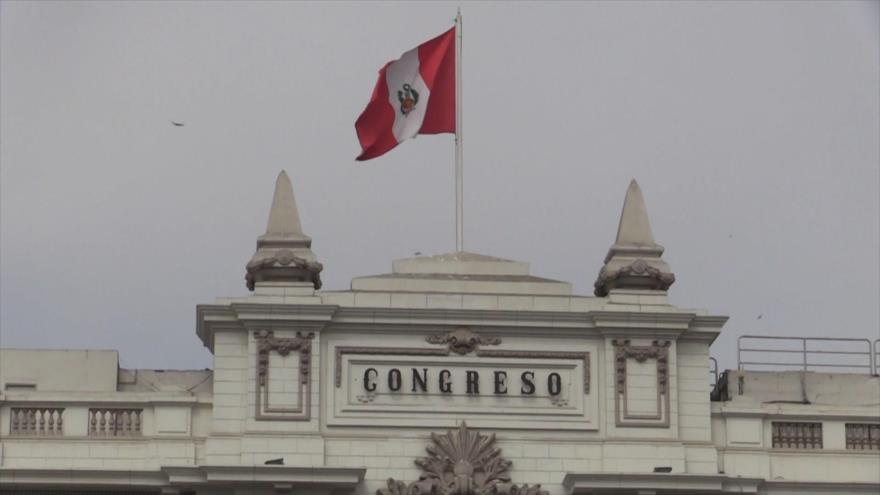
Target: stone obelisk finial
<point>284,252</point>
<point>635,260</point>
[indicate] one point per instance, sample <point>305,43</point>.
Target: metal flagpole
<point>459,169</point>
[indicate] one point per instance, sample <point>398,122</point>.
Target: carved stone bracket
<point>461,462</point>
<point>462,340</point>
<point>266,343</point>
<point>658,351</point>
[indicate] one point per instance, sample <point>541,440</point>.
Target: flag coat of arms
<point>415,94</point>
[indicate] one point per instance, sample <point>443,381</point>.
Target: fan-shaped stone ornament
<point>461,462</point>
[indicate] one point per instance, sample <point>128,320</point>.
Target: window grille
<point>36,421</point>
<point>791,435</point>
<point>862,436</point>
<point>115,422</point>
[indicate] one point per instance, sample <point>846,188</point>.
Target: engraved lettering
<point>528,384</point>
<point>420,381</point>
<point>445,382</point>
<point>500,382</point>
<point>554,384</point>
<point>394,379</point>
<point>473,382</point>
<point>370,375</point>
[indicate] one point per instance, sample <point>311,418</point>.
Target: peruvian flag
<point>415,94</point>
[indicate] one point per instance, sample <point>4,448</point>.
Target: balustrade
<point>36,421</point>
<point>115,422</point>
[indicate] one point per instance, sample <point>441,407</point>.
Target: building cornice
<point>853,413</point>
<point>237,316</point>
<point>97,399</point>
<point>10,477</point>
<point>773,487</point>
<point>657,483</point>
<point>170,478</point>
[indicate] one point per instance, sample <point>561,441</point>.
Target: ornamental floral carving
<point>306,270</point>
<point>638,274</point>
<point>462,340</point>
<point>267,342</point>
<point>657,350</point>
<point>461,462</point>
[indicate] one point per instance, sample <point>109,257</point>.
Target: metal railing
<point>713,372</point>
<point>758,352</point>
<point>877,357</point>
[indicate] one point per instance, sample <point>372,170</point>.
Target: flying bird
<point>177,124</point>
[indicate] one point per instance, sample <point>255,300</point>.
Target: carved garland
<point>651,277</point>
<point>461,341</point>
<point>266,343</point>
<point>284,258</point>
<point>462,462</point>
<point>657,350</point>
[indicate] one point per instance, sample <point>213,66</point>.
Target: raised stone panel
<point>834,435</point>
<point>76,421</point>
<point>398,381</point>
<point>641,385</point>
<point>172,420</point>
<point>745,431</point>
<point>283,379</point>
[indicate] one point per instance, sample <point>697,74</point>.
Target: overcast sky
<point>751,127</point>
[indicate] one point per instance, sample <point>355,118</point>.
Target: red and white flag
<point>415,94</point>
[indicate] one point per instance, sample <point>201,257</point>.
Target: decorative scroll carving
<point>638,274</point>
<point>660,352</point>
<point>285,258</point>
<point>462,340</point>
<point>266,343</point>
<point>461,462</point>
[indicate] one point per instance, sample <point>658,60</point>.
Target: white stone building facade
<point>457,374</point>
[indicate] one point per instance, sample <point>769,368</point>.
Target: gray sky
<point>751,127</point>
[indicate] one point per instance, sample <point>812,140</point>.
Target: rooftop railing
<point>764,352</point>
<point>713,372</point>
